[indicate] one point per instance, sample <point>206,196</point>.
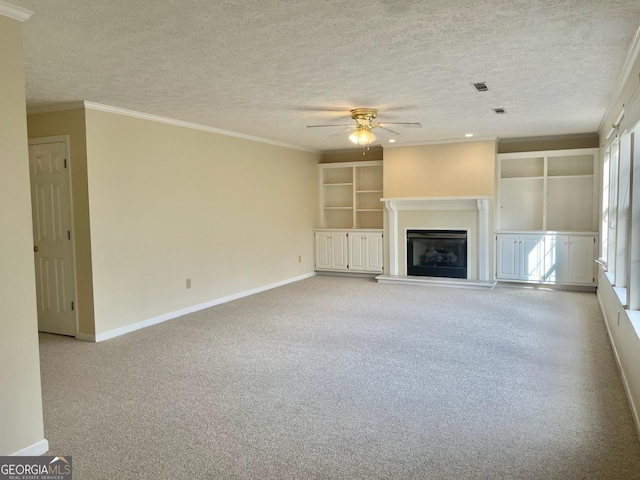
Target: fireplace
<point>437,253</point>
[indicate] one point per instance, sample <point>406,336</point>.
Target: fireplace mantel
<point>479,203</point>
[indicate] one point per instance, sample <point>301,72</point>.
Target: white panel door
<point>580,260</point>
<point>53,250</point>
<point>531,257</point>
<point>340,259</point>
<point>507,257</point>
<point>374,252</point>
<point>357,251</point>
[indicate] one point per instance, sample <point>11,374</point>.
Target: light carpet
<point>341,378</point>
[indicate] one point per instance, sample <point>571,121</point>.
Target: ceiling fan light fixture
<point>362,136</point>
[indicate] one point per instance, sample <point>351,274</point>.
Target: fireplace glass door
<point>437,253</point>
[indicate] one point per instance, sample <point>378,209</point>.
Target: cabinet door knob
<point>515,241</point>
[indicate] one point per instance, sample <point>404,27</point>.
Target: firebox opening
<point>437,253</point>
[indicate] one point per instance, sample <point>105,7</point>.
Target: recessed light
<point>500,111</point>
<point>468,134</point>
<point>393,140</point>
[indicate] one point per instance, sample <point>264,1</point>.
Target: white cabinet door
<point>507,257</point>
<point>340,259</point>
<point>357,251</point>
<point>580,260</point>
<point>324,250</point>
<point>331,251</point>
<point>569,259</point>
<point>531,253</point>
<point>374,252</point>
<point>555,258</point>
<point>520,257</point>
<point>365,251</point>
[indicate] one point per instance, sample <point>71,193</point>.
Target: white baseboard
<point>625,383</point>
<point>35,450</point>
<point>195,308</point>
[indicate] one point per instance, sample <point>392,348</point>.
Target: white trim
<point>625,71</point>
<point>392,237</point>
<point>438,142</point>
<point>35,450</point>
<point>195,308</point>
<point>15,12</point>
<point>437,282</point>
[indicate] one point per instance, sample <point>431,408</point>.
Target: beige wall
<point>20,395</point>
<point>72,123</point>
<point>440,170</point>
<point>352,155</point>
<point>169,203</point>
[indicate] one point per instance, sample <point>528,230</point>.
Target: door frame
<point>64,139</point>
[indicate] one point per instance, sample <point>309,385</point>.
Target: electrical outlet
<point>299,258</point>
<point>188,283</point>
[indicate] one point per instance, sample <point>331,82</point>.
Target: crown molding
<point>156,118</point>
<point>15,12</point>
<point>193,126</point>
<point>627,66</point>
<point>438,142</point>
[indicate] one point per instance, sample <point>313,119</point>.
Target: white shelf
<point>368,209</point>
<point>338,184</point>
<point>368,191</point>
<point>518,179</point>
<point>551,177</point>
<point>338,208</point>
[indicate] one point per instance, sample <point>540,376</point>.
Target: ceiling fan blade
<point>332,125</point>
<point>387,129</point>
<point>409,124</point>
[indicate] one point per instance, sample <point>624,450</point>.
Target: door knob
<point>35,248</point>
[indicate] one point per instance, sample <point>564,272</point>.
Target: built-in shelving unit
<point>547,216</point>
<point>547,191</point>
<point>350,195</point>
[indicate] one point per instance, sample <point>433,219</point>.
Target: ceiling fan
<point>362,129</point>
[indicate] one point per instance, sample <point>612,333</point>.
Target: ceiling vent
<point>481,86</point>
<point>500,111</point>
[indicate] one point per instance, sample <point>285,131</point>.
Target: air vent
<point>500,111</point>
<point>481,86</point>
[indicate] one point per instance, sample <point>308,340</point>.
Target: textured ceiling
<point>269,68</point>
